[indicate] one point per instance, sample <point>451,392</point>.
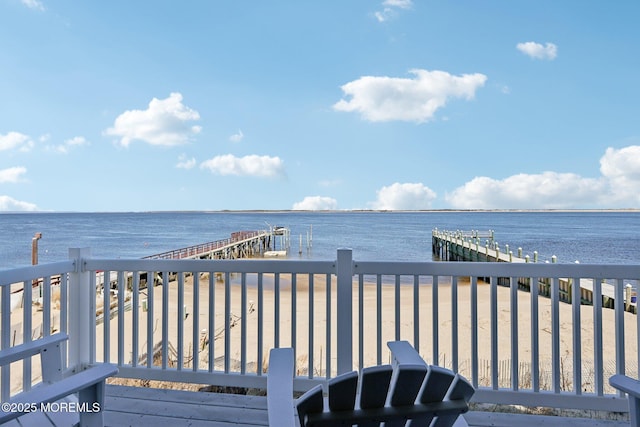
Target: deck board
<point>147,407</point>
<point>160,407</point>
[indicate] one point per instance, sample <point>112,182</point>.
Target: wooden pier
<point>473,246</point>
<point>241,244</point>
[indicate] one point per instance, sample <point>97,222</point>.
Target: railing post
<point>79,311</point>
<point>344,339</point>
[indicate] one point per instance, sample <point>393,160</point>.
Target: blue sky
<point>397,104</point>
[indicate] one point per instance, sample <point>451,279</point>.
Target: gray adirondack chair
<point>632,388</point>
<point>413,394</point>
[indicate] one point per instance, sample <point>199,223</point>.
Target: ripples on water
<point>590,237</point>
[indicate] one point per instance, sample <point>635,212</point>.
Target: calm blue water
<point>590,237</point>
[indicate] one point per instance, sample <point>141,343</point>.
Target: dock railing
<point>213,321</point>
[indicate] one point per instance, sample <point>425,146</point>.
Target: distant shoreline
<point>338,211</point>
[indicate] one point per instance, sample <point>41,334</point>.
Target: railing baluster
<point>328,326</point>
<point>513,287</point>
<point>379,319</point>
<point>435,321</point>
<point>180,321</point>
<point>454,323</point>
<point>27,327</point>
<point>474,331</point>
<point>360,321</point>
<point>64,312</point>
<point>555,334</point>
<point>597,336</point>
<point>576,302</point>
<point>260,322</point>
<point>150,318</point>
<point>135,317</point>
<point>243,323</point>
<point>227,322</point>
<point>46,306</point>
<point>416,312</point>
<point>212,322</point>
<point>106,315</point>
<point>535,337</point>
<point>294,315</point>
<point>5,341</point>
<point>165,319</point>
<point>397,307</point>
<point>344,269</point>
<point>619,326</point>
<point>196,321</point>
<point>637,336</point>
<point>276,311</point>
<point>92,318</point>
<point>311,325</point>
<point>494,332</point>
<point>121,297</point>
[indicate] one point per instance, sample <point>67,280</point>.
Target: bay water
<point>602,237</point>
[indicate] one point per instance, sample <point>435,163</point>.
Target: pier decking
<point>241,244</point>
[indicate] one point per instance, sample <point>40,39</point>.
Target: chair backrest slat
<point>374,386</point>
<point>406,386</point>
<point>460,389</point>
<point>436,384</point>
<point>342,392</point>
<point>312,402</point>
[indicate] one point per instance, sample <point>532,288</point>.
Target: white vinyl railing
<point>213,321</point>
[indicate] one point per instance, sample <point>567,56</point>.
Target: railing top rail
<point>32,272</point>
<point>500,269</point>
<point>609,271</point>
<point>191,265</point>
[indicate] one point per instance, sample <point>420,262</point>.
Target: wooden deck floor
<point>142,407</point>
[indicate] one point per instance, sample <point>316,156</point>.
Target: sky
<point>333,105</point>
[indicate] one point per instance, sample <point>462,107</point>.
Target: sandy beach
<point>195,302</point>
<point>253,311</point>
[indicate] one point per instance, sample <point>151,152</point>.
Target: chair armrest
<point>280,404</point>
<point>626,384</point>
<point>403,353</point>
<point>632,388</point>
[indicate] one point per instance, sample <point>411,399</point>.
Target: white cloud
<point>616,187</point>
<point>69,143</point>
<point>316,203</point>
<point>548,190</point>
<point>185,163</point>
<point>252,165</point>
<point>165,122</point>
<point>8,204</point>
<point>390,7</point>
<point>15,140</point>
<point>407,196</point>
<point>537,51</point>
<point>236,137</point>
<point>34,4</point>
<point>403,4</point>
<point>621,167</point>
<point>380,99</point>
<point>12,174</point>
